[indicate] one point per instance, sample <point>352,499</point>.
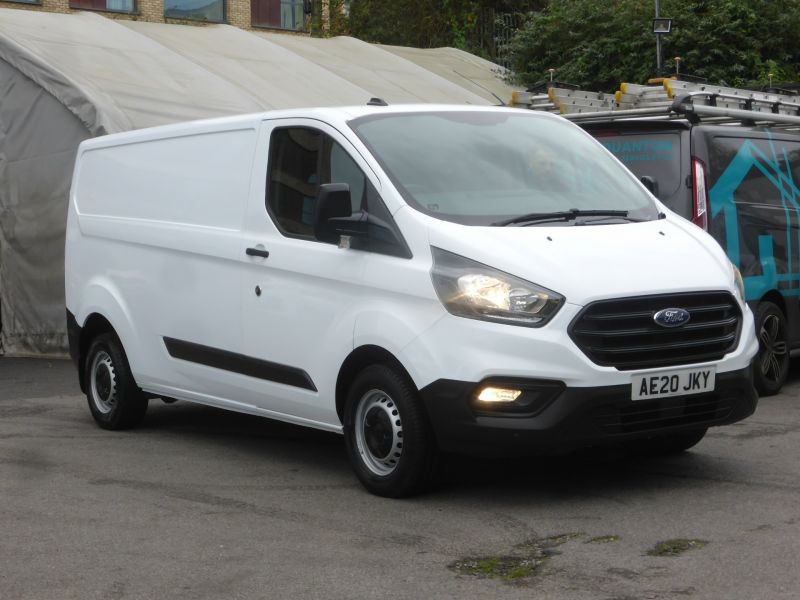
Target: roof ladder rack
<point>667,99</point>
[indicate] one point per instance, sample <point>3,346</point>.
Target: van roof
<point>336,116</point>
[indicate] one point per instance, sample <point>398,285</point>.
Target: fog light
<point>495,394</point>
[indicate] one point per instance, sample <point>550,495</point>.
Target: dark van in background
<point>737,175</point>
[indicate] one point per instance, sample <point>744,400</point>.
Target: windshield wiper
<point>567,215</point>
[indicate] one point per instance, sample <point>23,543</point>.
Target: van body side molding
<point>238,363</point>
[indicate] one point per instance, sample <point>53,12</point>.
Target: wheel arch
<point>356,361</point>
<point>776,298</point>
<point>102,310</point>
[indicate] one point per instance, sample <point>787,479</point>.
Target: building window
<point>197,10</point>
<point>125,6</point>
<point>280,14</point>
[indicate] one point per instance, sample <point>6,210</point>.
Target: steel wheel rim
<point>379,432</point>
<point>103,382</point>
<point>772,348</point>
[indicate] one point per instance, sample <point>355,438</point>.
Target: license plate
<point>672,383</point>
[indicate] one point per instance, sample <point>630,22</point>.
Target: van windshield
<point>492,167</point>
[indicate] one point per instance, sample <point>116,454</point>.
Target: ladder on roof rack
<point>667,99</point>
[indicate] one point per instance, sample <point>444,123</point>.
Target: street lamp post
<point>658,39</point>
<point>661,26</point>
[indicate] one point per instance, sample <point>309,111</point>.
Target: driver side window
<point>300,160</point>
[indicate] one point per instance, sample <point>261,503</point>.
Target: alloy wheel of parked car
<point>772,362</point>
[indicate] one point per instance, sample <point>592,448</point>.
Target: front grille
<point>621,333</point>
<point>655,415</point>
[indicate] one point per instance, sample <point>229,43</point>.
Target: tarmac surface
<point>203,504</point>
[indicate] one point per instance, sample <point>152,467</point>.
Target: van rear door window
<point>656,155</point>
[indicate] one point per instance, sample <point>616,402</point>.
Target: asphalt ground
<point>200,503</point>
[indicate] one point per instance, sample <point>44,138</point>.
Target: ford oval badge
<point>672,317</point>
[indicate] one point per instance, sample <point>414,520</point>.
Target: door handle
<point>257,252</point>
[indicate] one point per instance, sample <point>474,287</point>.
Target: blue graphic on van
<point>630,150</point>
<point>774,176</point>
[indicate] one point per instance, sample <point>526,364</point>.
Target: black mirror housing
<point>650,183</point>
<point>333,202</point>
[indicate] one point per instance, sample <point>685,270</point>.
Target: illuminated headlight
<point>738,281</point>
<point>476,291</point>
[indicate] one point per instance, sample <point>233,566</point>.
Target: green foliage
<point>599,43</point>
<point>419,23</point>
<point>339,22</point>
<point>464,24</point>
<point>675,547</point>
<point>509,568</point>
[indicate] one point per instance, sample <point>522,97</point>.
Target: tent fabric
<point>270,75</point>
<point>385,74</point>
<point>38,141</point>
<point>474,73</point>
<point>131,80</point>
<point>68,77</point>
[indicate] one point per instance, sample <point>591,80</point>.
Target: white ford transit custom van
<point>418,278</point>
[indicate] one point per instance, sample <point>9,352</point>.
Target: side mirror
<point>336,223</point>
<point>333,203</point>
<point>650,183</point>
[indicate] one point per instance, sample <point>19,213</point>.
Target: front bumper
<point>557,417</point>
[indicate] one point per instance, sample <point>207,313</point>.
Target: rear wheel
<point>114,399</point>
<point>387,434</point>
<point>671,443</point>
<point>772,362</point>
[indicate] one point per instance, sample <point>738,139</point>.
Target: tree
<point>432,23</point>
<point>599,43</point>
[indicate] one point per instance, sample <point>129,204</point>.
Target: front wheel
<point>387,434</point>
<point>772,361</point>
<point>114,398</point>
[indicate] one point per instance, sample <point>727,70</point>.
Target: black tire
<point>666,444</point>
<point>388,437</point>
<point>771,365</point>
<point>114,398</point>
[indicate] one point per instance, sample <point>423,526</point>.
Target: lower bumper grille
<point>655,415</point>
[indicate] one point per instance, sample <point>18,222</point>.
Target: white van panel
<point>197,179</point>
<point>164,215</point>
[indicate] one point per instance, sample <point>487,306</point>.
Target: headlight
<point>738,281</point>
<point>475,291</point>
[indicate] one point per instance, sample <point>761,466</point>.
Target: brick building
<point>285,15</point>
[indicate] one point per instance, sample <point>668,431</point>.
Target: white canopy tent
<point>68,77</point>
